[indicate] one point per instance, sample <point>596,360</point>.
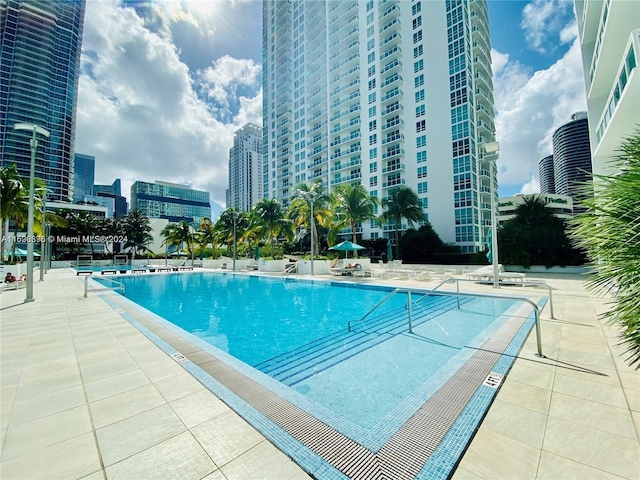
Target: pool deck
<point>84,394</point>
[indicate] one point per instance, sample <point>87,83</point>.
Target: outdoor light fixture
<point>234,215</point>
<point>33,143</point>
<point>492,148</point>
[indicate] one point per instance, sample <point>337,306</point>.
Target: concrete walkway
<point>85,395</point>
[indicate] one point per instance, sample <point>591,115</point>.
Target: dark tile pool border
<point>428,445</point>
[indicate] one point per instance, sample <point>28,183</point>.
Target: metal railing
<point>119,286</point>
<point>536,309</point>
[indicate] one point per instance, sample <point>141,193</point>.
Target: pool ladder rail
<point>458,294</point>
<point>119,286</point>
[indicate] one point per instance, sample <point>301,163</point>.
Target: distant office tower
<point>113,191</point>
<point>384,93</point>
<point>545,171</point>
<point>171,201</point>
<point>572,157</point>
<point>84,169</point>
<point>245,168</point>
<point>610,41</point>
<point>40,60</point>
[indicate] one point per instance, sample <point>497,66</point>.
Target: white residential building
<point>383,93</point>
<point>610,41</point>
<point>245,168</point>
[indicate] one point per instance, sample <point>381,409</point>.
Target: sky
<point>165,84</point>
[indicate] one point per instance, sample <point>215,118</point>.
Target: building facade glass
<point>385,94</point>
<point>40,44</point>
<point>84,168</point>
<point>171,201</point>
<point>245,168</point>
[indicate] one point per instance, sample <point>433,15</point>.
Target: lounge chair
<point>486,274</point>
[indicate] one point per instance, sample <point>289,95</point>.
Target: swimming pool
<point>365,383</point>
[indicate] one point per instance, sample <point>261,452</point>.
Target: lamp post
<point>492,148</point>
<point>311,197</point>
<point>33,143</point>
<point>234,215</point>
<point>43,244</point>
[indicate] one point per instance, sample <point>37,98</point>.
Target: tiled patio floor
<point>85,395</point>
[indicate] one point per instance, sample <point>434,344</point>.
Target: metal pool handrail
<point>397,290</point>
<point>536,310</point>
<point>87,289</point>
<point>524,283</point>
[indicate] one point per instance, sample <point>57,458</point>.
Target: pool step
<point>303,363</point>
<point>371,324</point>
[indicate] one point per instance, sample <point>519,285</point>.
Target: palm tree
<point>401,203</point>
<point>535,236</point>
<point>300,209</point>
<point>224,227</point>
<point>610,233</point>
<point>177,234</point>
<point>205,235</point>
<point>353,205</point>
<point>269,221</point>
<point>137,230</point>
<point>14,201</point>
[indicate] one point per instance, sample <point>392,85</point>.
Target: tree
<point>205,235</point>
<point>535,236</point>
<point>353,205</point>
<point>270,222</point>
<point>177,234</point>
<point>422,245</point>
<point>610,234</point>
<point>224,227</point>
<point>137,230</point>
<point>300,210</point>
<point>401,203</point>
<point>14,201</point>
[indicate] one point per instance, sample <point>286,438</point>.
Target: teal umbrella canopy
<point>389,251</point>
<point>346,247</point>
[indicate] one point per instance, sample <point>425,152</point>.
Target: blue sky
<point>165,84</point>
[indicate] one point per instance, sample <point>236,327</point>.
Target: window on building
<point>419,96</point>
<point>421,141</point>
<point>417,21</point>
<point>420,110</point>
<point>421,126</point>
<point>373,167</point>
<point>417,37</point>
<point>422,187</point>
<point>422,172</point>
<point>421,157</point>
<point>419,81</point>
<point>417,51</point>
<point>372,125</point>
<point>373,181</point>
<point>417,66</point>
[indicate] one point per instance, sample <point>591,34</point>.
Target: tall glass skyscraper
<point>40,44</point>
<point>84,169</point>
<point>383,93</point>
<point>171,201</point>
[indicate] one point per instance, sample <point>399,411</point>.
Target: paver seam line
<point>94,430</point>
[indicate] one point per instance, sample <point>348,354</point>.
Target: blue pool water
<point>365,382</point>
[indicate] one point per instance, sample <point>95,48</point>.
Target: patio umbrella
<point>489,250</point>
<point>389,251</point>
<point>347,247</point>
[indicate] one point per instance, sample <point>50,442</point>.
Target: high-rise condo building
<point>383,93</point>
<point>545,172</point>
<point>572,159</point>
<point>610,41</point>
<point>84,169</point>
<point>39,66</point>
<point>171,201</point>
<point>245,168</point>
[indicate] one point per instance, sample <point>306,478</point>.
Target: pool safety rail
<point>458,294</point>
<point>118,286</point>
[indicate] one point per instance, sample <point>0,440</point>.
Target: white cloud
<point>222,79</point>
<point>498,61</point>
<point>542,19</point>
<point>532,186</point>
<point>530,107</point>
<point>138,108</point>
